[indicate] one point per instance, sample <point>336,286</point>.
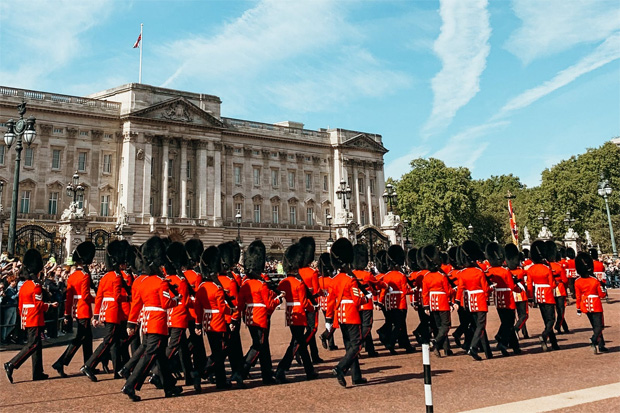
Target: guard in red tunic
<point>395,299</point>
<point>504,288</point>
<point>571,271</point>
<point>436,293</point>
<point>561,282</point>
<point>32,310</point>
<point>127,281</point>
<point>256,304</point>
<point>152,297</point>
<point>326,275</point>
<point>513,261</point>
<point>78,305</point>
<point>473,294</point>
<point>195,248</point>
<point>381,264</point>
<point>599,270</point>
<point>211,311</point>
<point>422,332</point>
<point>295,294</point>
<point>588,293</point>
<point>540,286</point>
<point>310,277</point>
<point>463,315</point>
<point>343,308</point>
<point>370,283</point>
<point>108,310</point>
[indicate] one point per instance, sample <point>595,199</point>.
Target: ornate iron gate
<point>374,240</point>
<point>101,238</point>
<point>35,236</point>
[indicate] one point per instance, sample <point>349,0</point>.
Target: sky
<point>499,87</point>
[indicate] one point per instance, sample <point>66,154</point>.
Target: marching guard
<point>588,293</point>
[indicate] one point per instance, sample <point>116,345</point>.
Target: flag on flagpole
<point>514,230</point>
<point>137,43</point>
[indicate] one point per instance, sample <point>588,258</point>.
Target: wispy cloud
<point>606,52</point>
<point>463,47</point>
<point>42,36</point>
<point>401,165</point>
<point>553,26</point>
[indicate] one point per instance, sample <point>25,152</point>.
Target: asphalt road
<point>395,382</point>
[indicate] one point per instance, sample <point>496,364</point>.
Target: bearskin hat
<point>211,262</point>
<point>255,258</point>
<point>512,256</point>
<point>115,255</point>
<point>236,253</point>
<point>412,260</point>
<point>226,255</point>
<point>32,263</point>
<point>453,256</point>
<point>294,257</point>
<point>84,253</point>
<point>360,257</point>
<point>444,257</point>
<point>381,261</point>
<point>495,254</point>
<point>551,251</point>
<point>561,252</point>
<point>341,253</point>
<point>395,256</point>
<point>570,253</point>
<point>177,256</point>
<point>194,248</point>
<point>325,265</point>
<point>308,247</point>
<point>154,254</point>
<point>593,253</point>
<point>135,260</point>
<point>432,257</point>
<point>470,253</point>
<point>584,264</point>
<point>526,253</point>
<point>419,258</point>
<point>538,251</point>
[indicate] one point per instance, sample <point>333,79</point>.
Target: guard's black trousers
<point>480,333</point>
<point>596,320</point>
<point>178,344</point>
<point>507,335</point>
<point>299,345</point>
<point>310,334</point>
<point>352,337</point>
<point>109,346</point>
<point>32,348</point>
<point>258,350</point>
<point>216,342</point>
<point>367,319</point>
<point>197,348</point>
<point>560,307</point>
<point>154,352</point>
<point>442,321</point>
<point>84,338</point>
<point>522,317</point>
<point>547,311</point>
<point>398,318</point>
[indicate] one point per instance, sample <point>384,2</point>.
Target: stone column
<point>358,207</point>
<point>201,170</point>
<point>74,230</point>
<point>380,190</point>
<point>183,178</point>
<point>147,176</point>
<point>368,195</point>
<point>164,178</point>
<point>217,189</point>
<point>128,171</point>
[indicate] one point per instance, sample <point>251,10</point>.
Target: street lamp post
<point>406,226</point>
<point>15,131</point>
<point>75,188</point>
<point>330,240</point>
<point>238,219</point>
<point>470,229</point>
<point>390,196</point>
<point>543,218</point>
<point>604,190</point>
<point>569,220</point>
<point>344,193</point>
<point>2,216</point>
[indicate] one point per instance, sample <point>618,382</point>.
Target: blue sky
<point>497,86</point>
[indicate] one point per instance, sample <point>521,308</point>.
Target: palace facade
<point>162,161</point>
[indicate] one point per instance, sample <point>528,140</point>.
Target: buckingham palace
<point>150,160</point>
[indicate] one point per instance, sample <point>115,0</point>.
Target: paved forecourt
<point>572,379</point>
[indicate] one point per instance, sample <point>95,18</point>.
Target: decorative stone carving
<point>316,160</point>
<point>97,134</point>
<point>140,154</point>
<point>210,161</point>
<point>72,133</point>
<point>177,111</point>
<point>217,146</point>
<point>73,212</point>
<point>545,234</point>
<point>266,153</point>
<point>228,149</point>
<point>588,239</point>
<point>45,129</point>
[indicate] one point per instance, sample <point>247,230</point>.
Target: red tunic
<point>571,271</point>
<point>178,315</point>
<point>436,292</point>
<point>540,284</point>
<point>588,293</point>
<point>211,308</point>
<point>520,274</point>
<point>125,299</point>
<point>561,280</point>
<point>79,300</point>
<point>325,286</point>
<point>194,279</point>
<point>504,287</point>
<point>473,290</point>
<point>231,290</point>
<point>368,280</point>
<point>31,305</point>
<point>296,300</point>
<point>342,303</point>
<point>396,298</point>
<point>152,297</point>
<point>107,301</point>
<point>599,270</point>
<point>257,302</point>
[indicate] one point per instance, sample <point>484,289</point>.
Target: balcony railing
<point>54,97</point>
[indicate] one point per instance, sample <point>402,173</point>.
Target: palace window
<point>274,177</point>
<point>52,206</point>
<point>188,208</point>
<point>58,131</point>
<point>257,214</point>
<point>291,179</point>
<point>310,216</point>
<point>308,181</point>
<point>107,166</point>
<point>81,161</point>
<point>275,214</point>
<point>80,200</point>
<point>105,205</point>
<point>256,172</point>
<point>29,158</point>
<point>237,173</point>
<point>189,170</point>
<point>360,185</point>
<point>325,183</point>
<point>55,158</point>
<point>170,168</point>
<point>24,206</point>
<point>2,153</point>
<point>170,208</point>
<point>293,215</point>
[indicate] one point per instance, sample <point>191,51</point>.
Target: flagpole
<point>141,44</point>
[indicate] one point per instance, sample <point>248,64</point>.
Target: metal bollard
<point>428,393</point>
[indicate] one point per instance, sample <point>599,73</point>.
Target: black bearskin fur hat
<point>593,253</point>
<point>177,256</point>
<point>570,253</point>
<point>325,265</point>
<point>115,255</point>
<point>294,258</point>
<point>255,258</point>
<point>360,257</point>
<point>211,262</point>
<point>584,264</point>
<point>470,253</point>
<point>84,253</point>
<point>381,261</point>
<point>341,253</point>
<point>551,251</point>
<point>154,253</point>
<point>412,260</point>
<point>495,254</point>
<point>308,248</point>
<point>227,255</point>
<point>432,257</point>
<point>538,251</point>
<point>513,257</point>
<point>32,263</point>
<point>395,256</point>
<point>194,248</point>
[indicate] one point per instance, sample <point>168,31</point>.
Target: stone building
<point>165,161</point>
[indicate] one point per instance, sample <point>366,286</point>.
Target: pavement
<point>572,379</point>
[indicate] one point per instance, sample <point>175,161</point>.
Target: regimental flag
<point>137,43</point>
<point>514,230</point>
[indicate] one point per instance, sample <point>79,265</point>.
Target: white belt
<point>108,299</point>
<point>28,306</point>
<point>153,309</point>
<point>591,295</point>
<point>438,292</point>
<point>293,304</point>
<point>542,286</point>
<point>503,289</point>
<point>395,292</point>
<point>77,297</point>
<point>474,291</point>
<point>256,305</point>
<point>346,302</point>
<point>210,311</point>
